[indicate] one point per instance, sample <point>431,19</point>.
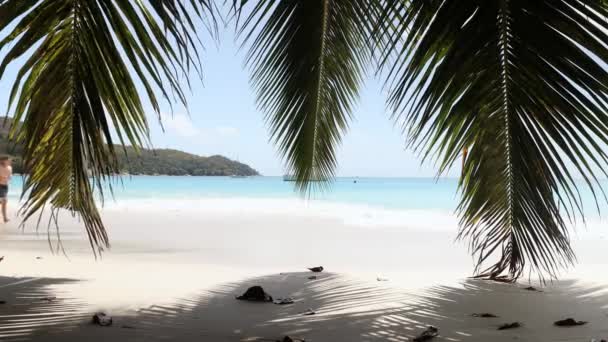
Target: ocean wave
<point>347,213</point>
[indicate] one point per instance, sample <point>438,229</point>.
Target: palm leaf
<point>75,88</point>
<point>522,86</point>
<point>307,59</point>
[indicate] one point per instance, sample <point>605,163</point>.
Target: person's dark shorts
<point>3,191</point>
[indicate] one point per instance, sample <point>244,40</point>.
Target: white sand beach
<point>174,275</point>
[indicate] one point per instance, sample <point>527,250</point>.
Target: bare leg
<point>4,214</point>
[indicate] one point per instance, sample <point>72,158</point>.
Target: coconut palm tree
<point>519,85</point>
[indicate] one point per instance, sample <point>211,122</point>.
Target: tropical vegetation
<point>520,85</point>
<point>143,161</point>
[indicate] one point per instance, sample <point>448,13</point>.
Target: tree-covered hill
<point>173,162</point>
<point>150,162</point>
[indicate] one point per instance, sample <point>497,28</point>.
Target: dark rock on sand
<point>255,294</point>
<point>569,322</point>
<point>2,302</point>
<point>289,339</point>
<point>312,278</point>
<point>509,326</point>
<point>1,258</point>
<point>427,335</point>
<point>102,319</point>
<point>316,269</point>
<point>532,288</point>
<point>484,315</point>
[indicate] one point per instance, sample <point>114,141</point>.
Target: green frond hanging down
<point>76,88</point>
<point>307,59</point>
<point>522,85</point>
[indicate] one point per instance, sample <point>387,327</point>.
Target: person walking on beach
<point>6,172</point>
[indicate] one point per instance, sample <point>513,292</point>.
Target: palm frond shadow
<point>363,310</point>
<point>32,306</point>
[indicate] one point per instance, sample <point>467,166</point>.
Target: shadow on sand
<point>346,310</point>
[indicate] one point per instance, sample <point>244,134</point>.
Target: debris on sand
<point>316,269</point>
<point>38,258</point>
<point>102,319</point>
<point>309,312</point>
<point>283,301</point>
<point>2,302</point>
<point>49,299</point>
<point>381,279</point>
<point>510,326</point>
<point>312,278</point>
<point>2,258</point>
<point>427,335</point>
<point>532,288</point>
<point>125,326</point>
<point>255,294</point>
<point>569,322</point>
<point>290,339</point>
<point>484,315</point>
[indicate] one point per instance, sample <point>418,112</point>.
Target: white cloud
<point>180,125</point>
<point>227,131</point>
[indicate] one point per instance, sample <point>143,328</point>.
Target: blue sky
<point>224,120</point>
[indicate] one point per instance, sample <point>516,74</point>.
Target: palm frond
<point>75,89</point>
<point>307,59</point>
<point>522,86</point>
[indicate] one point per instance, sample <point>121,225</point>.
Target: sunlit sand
<point>175,276</point>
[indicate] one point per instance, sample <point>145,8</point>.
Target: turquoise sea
<point>392,193</point>
<point>386,193</point>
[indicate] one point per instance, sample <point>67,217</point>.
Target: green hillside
<point>150,162</point>
<point>178,163</point>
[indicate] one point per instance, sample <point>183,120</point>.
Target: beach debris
<point>381,279</point>
<point>49,299</point>
<point>510,326</point>
<point>484,315</point>
<point>309,312</point>
<point>312,278</point>
<point>255,294</point>
<point>2,302</point>
<point>430,333</point>
<point>532,288</point>
<point>569,322</point>
<point>102,319</point>
<point>283,301</point>
<point>38,257</point>
<point>316,269</point>
<point>2,258</point>
<point>290,339</point>
<point>126,326</point>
